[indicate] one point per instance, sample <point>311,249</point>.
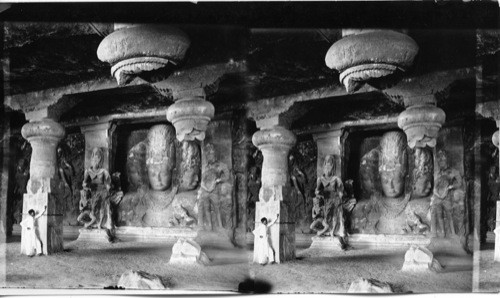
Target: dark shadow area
<point>16,277</point>
<point>13,239</point>
<point>488,246</point>
<point>448,269</point>
<point>226,261</point>
<point>251,286</point>
<point>114,288</point>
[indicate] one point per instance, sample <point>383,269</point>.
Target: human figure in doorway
<point>33,245</point>
<point>263,250</point>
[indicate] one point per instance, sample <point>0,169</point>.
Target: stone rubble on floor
<point>363,285</point>
<point>140,280</point>
<point>420,259</point>
<point>188,252</point>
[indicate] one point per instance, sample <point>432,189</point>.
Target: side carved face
<point>96,158</point>
<point>329,166</point>
<point>423,172</point>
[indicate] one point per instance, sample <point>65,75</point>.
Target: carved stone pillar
<point>275,143</point>
<point>44,136</point>
<point>100,135</point>
<point>329,143</point>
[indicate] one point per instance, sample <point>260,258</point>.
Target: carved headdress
<point>393,152</point>
<point>160,138</point>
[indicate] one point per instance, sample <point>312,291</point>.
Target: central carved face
<point>392,164</point>
<point>392,183</point>
<point>160,158</point>
<point>159,176</point>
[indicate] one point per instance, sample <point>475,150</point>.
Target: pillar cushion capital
<point>371,54</point>
<point>43,135</point>
<point>276,135</point>
<point>421,123</point>
<point>43,128</point>
<point>134,49</point>
<point>190,117</point>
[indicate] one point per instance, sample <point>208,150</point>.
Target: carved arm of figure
<point>224,174</point>
<point>274,221</point>
<point>83,200</point>
<point>299,179</point>
<point>315,213</point>
<point>86,180</point>
<point>457,180</point>
<point>442,196</point>
<point>107,179</point>
<point>319,187</point>
<point>339,186</point>
<point>41,213</point>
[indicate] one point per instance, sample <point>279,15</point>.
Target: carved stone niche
<point>363,56</point>
<point>421,123</point>
<point>135,48</point>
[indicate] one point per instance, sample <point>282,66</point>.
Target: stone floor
<point>94,266</point>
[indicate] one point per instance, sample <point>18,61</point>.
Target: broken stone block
<point>420,259</point>
<point>186,251</point>
<point>140,280</point>
<point>364,285</point>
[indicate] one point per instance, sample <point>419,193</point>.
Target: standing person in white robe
<point>33,245</point>
<point>264,252</point>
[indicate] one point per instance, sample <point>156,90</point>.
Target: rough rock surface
<point>186,251</point>
<point>364,285</point>
<point>140,280</point>
<point>420,259</point>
